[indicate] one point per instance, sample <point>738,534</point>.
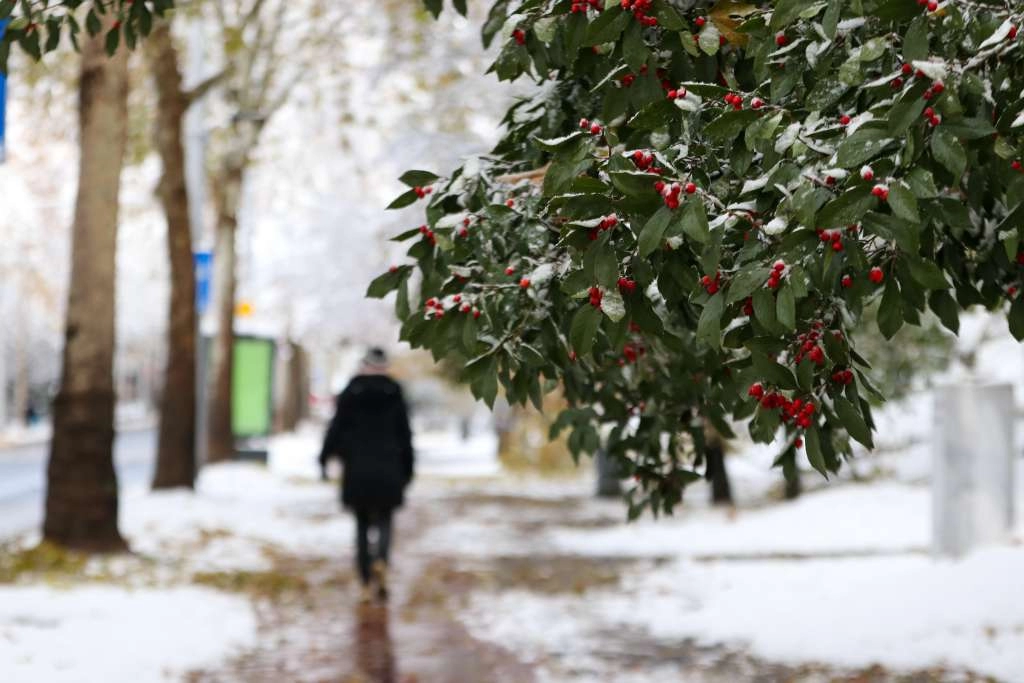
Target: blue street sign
<point>3,101</point>
<point>203,261</point>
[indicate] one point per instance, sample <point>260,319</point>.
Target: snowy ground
<point>835,584</point>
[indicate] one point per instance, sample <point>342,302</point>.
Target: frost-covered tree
<point>687,220</point>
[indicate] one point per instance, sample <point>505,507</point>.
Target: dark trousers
<point>379,520</point>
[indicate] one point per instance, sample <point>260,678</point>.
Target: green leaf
<point>903,203</point>
<point>607,27</point>
<point>786,307</point>
<point>890,310</point>
<point>908,110</point>
<point>764,309</point>
<point>383,284</point>
<point>772,373</point>
<point>403,200</point>
<point>785,13</point>
<point>853,422</point>
<point>729,124</point>
<point>695,221</point>
<point>584,328</point>
<point>1016,319</point>
<point>653,231</point>
<point>915,41</point>
<point>417,178</point>
<point>613,306</point>
<point>847,208</point>
<point>745,282</point>
<point>113,40</point>
<point>812,444</point>
<point>862,146</point>
<point>606,265</point>
<point>927,273</point>
<point>709,327</point>
<point>946,308</point>
<point>949,152</point>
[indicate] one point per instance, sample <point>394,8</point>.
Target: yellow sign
<point>243,309</point>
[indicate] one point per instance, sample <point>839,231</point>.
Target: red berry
<point>847,281</point>
<point>938,87</point>
<point>519,36</point>
<point>510,203</point>
<point>907,69</point>
<point>524,283</point>
<point>393,269</point>
<point>867,174</point>
<point>780,39</point>
<point>928,112</point>
<point>476,313</point>
<point>1013,32</point>
<point>932,5</point>
<point>896,83</point>
<point>844,120</point>
<point>463,232</point>
<point>876,275</point>
<point>837,245</point>
<point>779,266</point>
<point>756,390</point>
<point>584,123</point>
<point>799,442</point>
<point>466,308</point>
<point>690,188</point>
<point>700,21</point>
<point>757,103</point>
<point>509,270</point>
<point>1015,165</point>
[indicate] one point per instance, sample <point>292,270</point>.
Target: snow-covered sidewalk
<point>515,579</point>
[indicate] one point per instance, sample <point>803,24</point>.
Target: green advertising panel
<point>252,387</point>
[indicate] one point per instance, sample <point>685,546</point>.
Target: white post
<point>972,477</point>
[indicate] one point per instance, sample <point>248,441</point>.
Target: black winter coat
<point>370,434</point>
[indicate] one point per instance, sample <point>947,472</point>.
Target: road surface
<point>23,477</point>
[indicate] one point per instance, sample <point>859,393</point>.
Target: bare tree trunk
<point>81,496</point>
<point>291,408</point>
<point>714,455</point>
<point>227,192</point>
<point>176,456</point>
<point>21,379</point>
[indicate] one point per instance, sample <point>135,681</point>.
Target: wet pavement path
<point>453,550</point>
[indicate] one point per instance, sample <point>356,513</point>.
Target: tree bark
<point>81,496</point>
<point>714,455</point>
<point>176,455</point>
<point>227,194</point>
<point>294,390</point>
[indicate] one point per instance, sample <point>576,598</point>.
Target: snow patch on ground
<point>104,633</point>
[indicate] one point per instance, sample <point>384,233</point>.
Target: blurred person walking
<point>370,434</point>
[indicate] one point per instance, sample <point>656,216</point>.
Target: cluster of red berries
<point>595,296</point>
<point>791,410</point>
<point>933,118</point>
<point>809,346</point>
<point>711,285</point>
<point>434,307</point>
<point>670,192</point>
<point>881,191</point>
<point>581,5</point>
<point>640,9</point>
<point>937,89</point>
<point>592,127</point>
<point>833,236</point>
<point>676,93</point>
<point>519,36</point>
<point>645,162</point>
<point>876,275</point>
<point>626,285</point>
<point>464,230</point>
<point>842,377</point>
<point>428,234</point>
<point>607,223</point>
<point>734,99</point>
<point>931,5</point>
<point>422,192</point>
<point>630,353</point>
<point>778,270</point>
